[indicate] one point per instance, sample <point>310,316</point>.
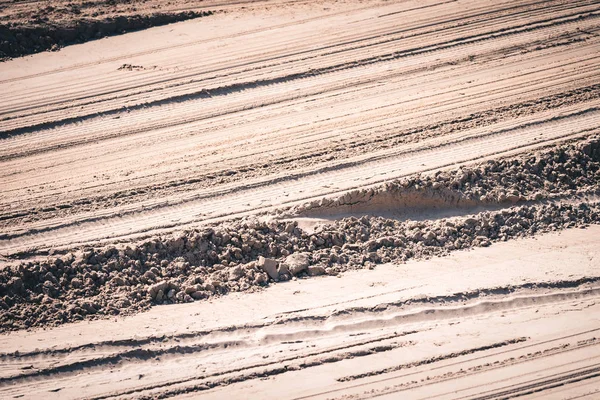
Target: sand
<point>298,339</point>
<point>305,200</point>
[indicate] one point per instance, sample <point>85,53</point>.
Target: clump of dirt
<point>247,254</point>
<point>40,33</point>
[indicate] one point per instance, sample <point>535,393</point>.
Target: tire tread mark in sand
<point>146,354</point>
<point>238,87</point>
<point>135,354</point>
<point>283,369</point>
<point>142,129</point>
<point>195,42</point>
<point>431,360</point>
<point>436,379</point>
<point>242,86</point>
<point>548,102</point>
<point>146,232</point>
<point>120,134</point>
<point>556,95</point>
<point>540,386</point>
<point>483,357</point>
<point>290,177</point>
<point>194,74</point>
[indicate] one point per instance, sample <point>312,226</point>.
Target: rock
<point>284,276</point>
<point>160,286</point>
<point>373,256</point>
<point>49,289</point>
<point>289,228</point>
<point>209,287</point>
<point>470,221</point>
<point>269,266</point>
<point>197,295</point>
<point>89,307</point>
<point>482,241</point>
<point>315,270</point>
<point>236,273</point>
<point>260,278</point>
<point>337,240</point>
<point>372,245</point>
<point>192,289</point>
<point>51,278</point>
<point>283,270</point>
<point>429,236</point>
<point>297,262</point>
<point>149,275</point>
<point>225,238</point>
<point>76,283</point>
<point>117,280</point>
<point>16,284</point>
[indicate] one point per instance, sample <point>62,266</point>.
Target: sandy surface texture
<point>301,199</point>
<point>508,319</point>
<point>214,123</point>
<point>28,27</point>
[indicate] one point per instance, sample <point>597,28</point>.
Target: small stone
<point>76,283</point>
<point>117,280</point>
<point>269,266</point>
<point>236,273</point>
<point>260,278</point>
<point>429,236</point>
<point>198,295</point>
<point>160,286</point>
<point>297,262</point>
<point>192,289</point>
<point>149,275</point>
<point>16,284</point>
<point>316,270</point>
<point>289,228</point>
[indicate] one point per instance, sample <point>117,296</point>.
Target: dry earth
<point>34,26</point>
<point>504,321</point>
<point>233,158</point>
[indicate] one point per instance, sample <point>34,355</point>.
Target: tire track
<point>96,357</point>
<point>370,104</point>
<point>472,148</point>
<point>289,78</point>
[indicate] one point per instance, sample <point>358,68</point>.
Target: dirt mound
<point>244,255</point>
<point>558,172</point>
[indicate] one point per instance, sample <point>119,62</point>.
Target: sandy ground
<point>28,27</point>
<point>264,117</point>
<point>272,109</point>
<point>442,328</point>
